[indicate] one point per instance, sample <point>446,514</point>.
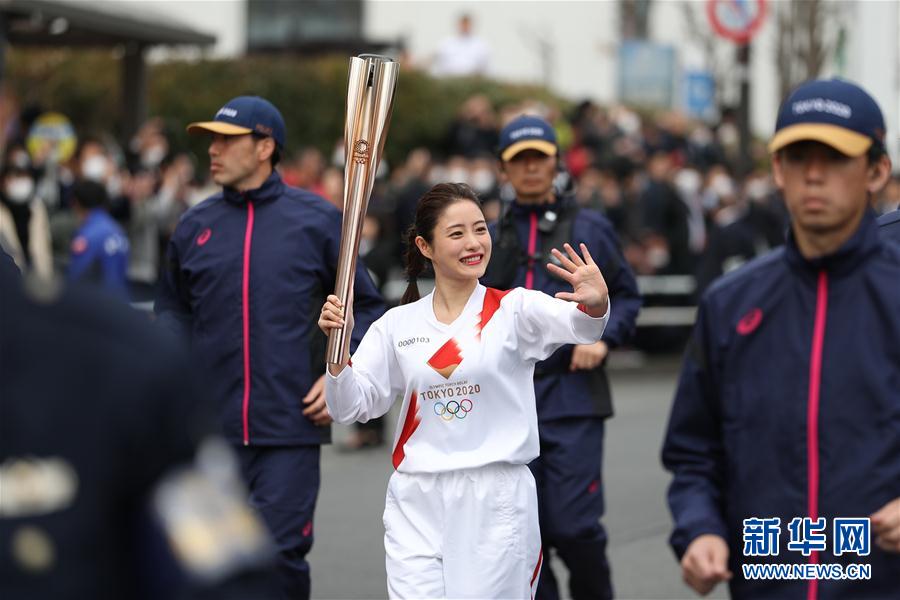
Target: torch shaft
<point>370,96</point>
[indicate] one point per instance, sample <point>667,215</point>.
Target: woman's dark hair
<point>428,210</point>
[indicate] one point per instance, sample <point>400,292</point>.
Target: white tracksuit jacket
<point>467,387</point>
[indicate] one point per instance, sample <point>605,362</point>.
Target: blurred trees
<point>310,93</point>
<point>803,39</point>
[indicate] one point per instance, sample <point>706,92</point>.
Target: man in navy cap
<point>784,435</point>
<point>248,269</point>
<point>571,388</point>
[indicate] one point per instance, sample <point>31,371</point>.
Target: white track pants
<point>463,534</point>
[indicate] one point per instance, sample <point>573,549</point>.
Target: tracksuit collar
<point>96,215</point>
<point>844,260</point>
<point>557,204</point>
<point>271,189</point>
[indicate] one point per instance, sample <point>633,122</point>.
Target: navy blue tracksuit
<point>100,422</point>
<point>572,406</point>
<point>788,407</point>
<point>247,275</point>
<point>889,225</point>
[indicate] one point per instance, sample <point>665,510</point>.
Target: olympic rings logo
<point>361,152</point>
<point>459,410</point>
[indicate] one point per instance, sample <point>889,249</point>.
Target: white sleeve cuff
<point>589,328</point>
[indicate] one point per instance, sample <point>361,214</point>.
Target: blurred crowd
<point>143,188</point>
<point>668,184</point>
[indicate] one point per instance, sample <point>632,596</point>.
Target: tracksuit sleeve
<point>544,323</point>
<point>693,450</point>
<point>8,266</point>
<point>172,307</point>
<point>366,389</point>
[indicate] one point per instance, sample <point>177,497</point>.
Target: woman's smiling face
<point>461,245</point>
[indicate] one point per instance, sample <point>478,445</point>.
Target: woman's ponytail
<point>414,264</point>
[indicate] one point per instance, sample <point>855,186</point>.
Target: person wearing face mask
<point>482,177</point>
<point>149,147</point>
<point>756,227</point>
<point>573,395</point>
<point>96,167</point>
<point>95,163</point>
<point>665,217</point>
<point>24,225</point>
<point>153,155</point>
<point>99,250</point>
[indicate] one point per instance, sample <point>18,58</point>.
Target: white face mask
<point>437,175</point>
<point>722,186</point>
<point>458,175</point>
<point>19,189</point>
<point>688,182</point>
<point>657,257</point>
<point>757,189</point>
<point>337,157</point>
<point>482,180</point>
<point>95,168</point>
<point>114,186</point>
<point>151,157</point>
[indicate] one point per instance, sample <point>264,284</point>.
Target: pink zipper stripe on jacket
<point>532,246</point>
<point>812,416</point>
<point>245,305</point>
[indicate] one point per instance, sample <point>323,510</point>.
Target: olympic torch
<point>370,99</point>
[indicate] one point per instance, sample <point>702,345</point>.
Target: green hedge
<point>310,93</point>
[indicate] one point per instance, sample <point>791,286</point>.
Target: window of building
<point>275,24</point>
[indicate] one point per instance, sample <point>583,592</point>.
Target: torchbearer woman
<point>461,517</point>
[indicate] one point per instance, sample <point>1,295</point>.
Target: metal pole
<point>745,160</point>
<point>134,90</point>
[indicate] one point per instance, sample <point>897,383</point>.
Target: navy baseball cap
<point>527,133</point>
<point>245,114</point>
<point>832,111</point>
